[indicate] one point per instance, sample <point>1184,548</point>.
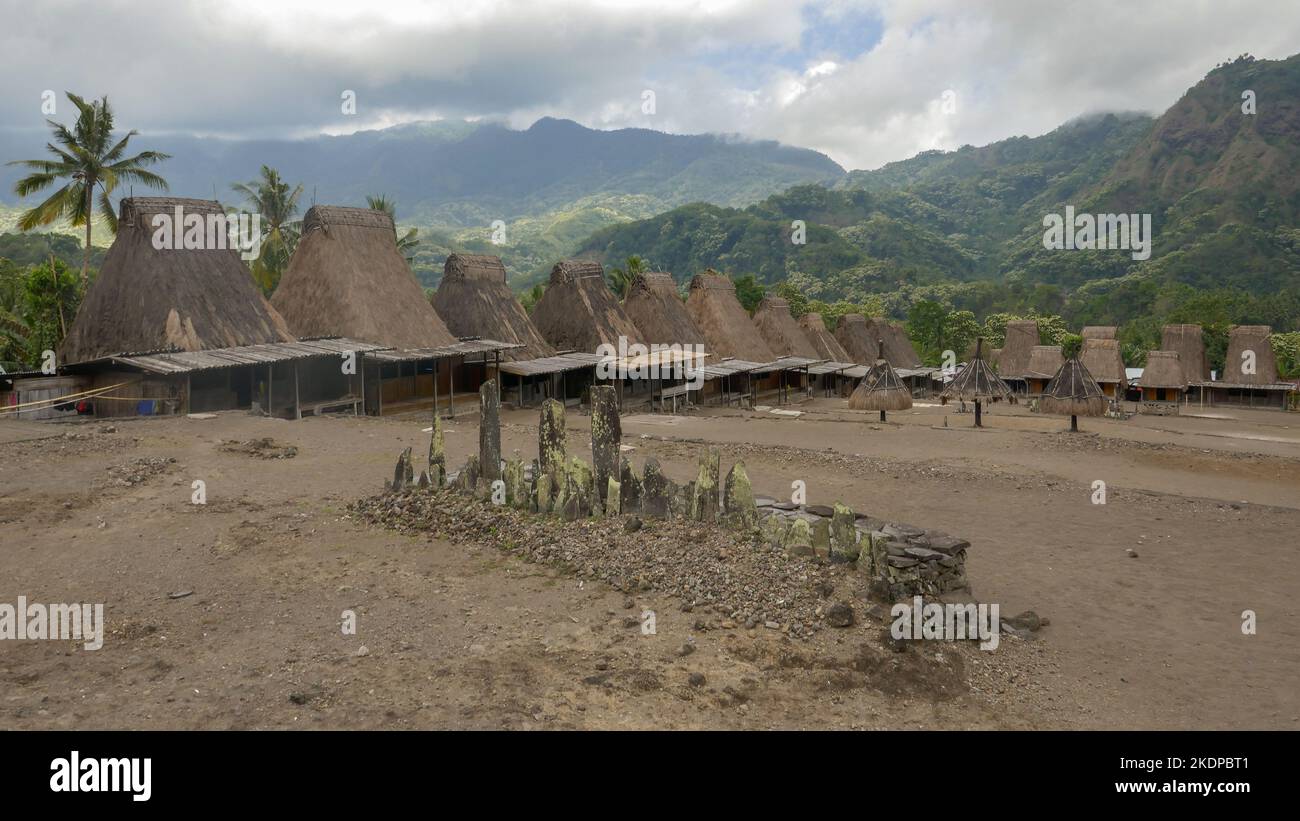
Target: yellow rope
<point>64,398</point>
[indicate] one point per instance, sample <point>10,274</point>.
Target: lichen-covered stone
<point>704,506</point>
<point>844,534</point>
<point>613,497</point>
<point>581,487</point>
<point>738,498</point>
<point>518,493</point>
<point>821,538</point>
<point>437,453</point>
<point>629,488</point>
<point>798,539</point>
<point>552,447</point>
<point>606,436</point>
<point>467,479</point>
<point>657,491</point>
<point>543,491</point>
<point>489,431</point>
<point>402,471</point>
<point>774,529</point>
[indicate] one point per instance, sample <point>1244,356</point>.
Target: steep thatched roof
<point>779,330</point>
<point>855,335</point>
<point>897,347</point>
<point>474,300</point>
<point>149,299</point>
<point>1044,362</point>
<point>823,341</point>
<point>578,312</point>
<point>1104,360</point>
<point>881,390</point>
<point>1022,337</point>
<point>658,312</point>
<point>1163,370</point>
<point>1073,392</point>
<point>1254,338</point>
<point>1098,332</point>
<point>976,381</point>
<point>1189,343</point>
<point>347,278</point>
<point>727,329</point>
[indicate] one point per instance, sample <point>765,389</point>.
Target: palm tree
<point>89,158</point>
<point>620,279</point>
<point>407,243</point>
<point>270,197</point>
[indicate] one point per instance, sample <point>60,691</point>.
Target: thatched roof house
<point>653,305</point>
<point>1243,339</point>
<point>897,346</point>
<point>1021,338</point>
<point>150,299</point>
<point>347,278</point>
<point>1189,343</point>
<point>578,312</point>
<point>779,330</point>
<point>855,335</point>
<point>1105,363</point>
<point>1044,361</point>
<point>1163,370</point>
<point>1098,332</point>
<point>823,341</point>
<point>474,300</point>
<point>1073,392</point>
<point>728,331</point>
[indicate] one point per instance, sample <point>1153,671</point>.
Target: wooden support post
<point>297,404</point>
<point>451,392</point>
<point>270,379</point>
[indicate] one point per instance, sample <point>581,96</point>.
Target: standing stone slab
<point>403,471</point>
<point>518,493</point>
<point>580,488</point>
<point>489,431</point>
<point>613,497</point>
<point>738,498</point>
<point>844,534</point>
<point>629,488</point>
<point>657,490</point>
<point>542,493</point>
<point>821,538</point>
<point>467,479</point>
<point>551,443</point>
<point>706,494</point>
<point>798,539</point>
<point>437,453</point>
<point>606,436</point>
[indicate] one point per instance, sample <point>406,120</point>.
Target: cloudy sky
<point>861,80</point>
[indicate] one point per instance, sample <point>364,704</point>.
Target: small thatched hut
<point>976,383</point>
<point>1188,342</point>
<point>149,299</point>
<point>1044,362</point>
<point>1105,364</point>
<point>1013,361</point>
<point>823,341</point>
<point>1098,332</point>
<point>728,331</point>
<point>475,301</point>
<point>659,313</point>
<point>882,390</point>
<point>855,335</point>
<point>578,312</point>
<point>1162,382</point>
<point>779,330</point>
<point>1074,393</point>
<point>894,344</point>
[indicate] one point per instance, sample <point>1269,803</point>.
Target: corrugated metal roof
<point>787,363</point>
<point>176,362</point>
<point>465,347</point>
<point>729,367</point>
<point>552,364</point>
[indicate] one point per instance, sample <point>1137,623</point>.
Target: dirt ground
<point>227,615</point>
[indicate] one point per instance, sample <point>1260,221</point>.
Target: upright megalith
<point>613,497</point>
<point>552,447</point>
<point>629,488</point>
<point>437,453</point>
<point>657,490</point>
<point>738,498</point>
<point>489,431</point>
<point>518,493</point>
<point>606,436</point>
<point>844,534</point>
<point>707,493</point>
<point>403,472</point>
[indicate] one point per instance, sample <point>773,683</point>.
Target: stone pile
<point>898,560</point>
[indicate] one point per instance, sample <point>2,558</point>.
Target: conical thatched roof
<point>578,312</point>
<point>474,300</point>
<point>823,341</point>
<point>1073,392</point>
<point>897,347</point>
<point>1044,362</point>
<point>855,335</point>
<point>347,278</point>
<point>1189,343</point>
<point>976,381</point>
<point>1163,370</point>
<point>1022,337</point>
<point>717,312</point>
<point>1104,360</point>
<point>779,330</point>
<point>149,299</point>
<point>659,313</point>
<point>1243,338</point>
<point>881,390</point>
<point>1098,332</point>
